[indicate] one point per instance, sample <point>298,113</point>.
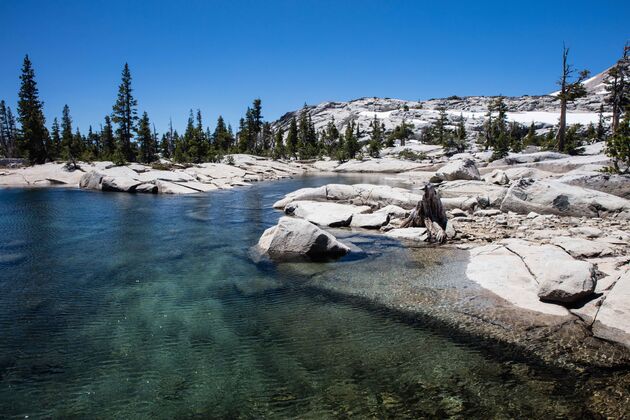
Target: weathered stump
<point>429,213</point>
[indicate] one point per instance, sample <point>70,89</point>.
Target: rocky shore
<point>542,239</point>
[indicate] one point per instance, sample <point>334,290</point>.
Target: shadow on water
<point>134,306</point>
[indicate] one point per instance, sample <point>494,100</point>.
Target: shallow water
<point>135,306</point>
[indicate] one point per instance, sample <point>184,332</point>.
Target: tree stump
<point>429,213</point>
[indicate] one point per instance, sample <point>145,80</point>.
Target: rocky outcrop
<point>582,248</point>
<point>324,213</point>
<point>612,321</point>
<point>384,165</point>
<point>295,239</point>
<point>614,184</point>
<point>544,271</point>
<point>553,197</point>
<point>370,221</point>
<point>498,177</point>
<point>464,169</point>
<point>357,194</point>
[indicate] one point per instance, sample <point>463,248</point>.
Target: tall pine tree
<point>125,115</point>
<point>34,135</point>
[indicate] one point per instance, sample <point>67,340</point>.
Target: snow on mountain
<point>542,110</point>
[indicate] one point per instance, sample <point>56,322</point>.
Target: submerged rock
<point>295,239</point>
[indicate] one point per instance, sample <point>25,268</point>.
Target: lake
<point>118,305</point>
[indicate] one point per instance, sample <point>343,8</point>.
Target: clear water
<point>142,306</point>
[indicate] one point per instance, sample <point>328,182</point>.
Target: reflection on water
<point>117,305</point>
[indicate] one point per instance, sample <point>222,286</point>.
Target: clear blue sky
<point>218,56</point>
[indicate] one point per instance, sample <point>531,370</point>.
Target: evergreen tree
<point>55,140</point>
<point>179,148</point>
<point>146,140</point>
<point>8,132</point>
<point>242,135</point>
<point>266,138</point>
<point>292,138</point>
<point>376,137</point>
<point>401,132</point>
<point>279,151</point>
<point>618,145</point>
<point>330,138</point>
<point>67,137</point>
<point>74,147</point>
<point>125,115</point>
<point>531,138</point>
<point>108,143</point>
<point>34,135</point>
<point>569,91</point>
<point>351,139</point>
<point>600,131</point>
<point>618,87</point>
<point>188,149</point>
<point>221,137</point>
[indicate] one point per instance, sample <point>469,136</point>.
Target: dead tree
<point>569,91</point>
<point>429,213</point>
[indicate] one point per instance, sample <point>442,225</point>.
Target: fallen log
<point>429,213</point>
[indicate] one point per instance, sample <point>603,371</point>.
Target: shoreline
<point>484,222</point>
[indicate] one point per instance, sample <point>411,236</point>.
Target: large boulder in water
<point>459,169</point>
<point>553,197</point>
<point>296,239</point>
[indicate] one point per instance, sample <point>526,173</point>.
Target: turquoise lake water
<point>144,306</point>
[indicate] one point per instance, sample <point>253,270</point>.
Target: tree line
<point>124,136</point>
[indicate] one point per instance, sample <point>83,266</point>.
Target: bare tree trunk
<point>562,124</point>
<point>429,213</point>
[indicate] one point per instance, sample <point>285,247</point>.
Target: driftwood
<point>429,213</point>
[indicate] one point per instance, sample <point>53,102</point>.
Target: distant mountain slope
<point>542,110</point>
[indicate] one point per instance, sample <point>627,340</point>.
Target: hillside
<point>543,110</point>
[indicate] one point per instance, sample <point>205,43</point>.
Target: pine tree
<point>330,138</point>
<point>108,143</point>
<point>242,134</point>
<point>74,147</point>
<point>188,149</point>
<point>67,137</point>
<point>569,91</point>
<point>531,138</point>
<point>55,140</point>
<point>292,138</point>
<point>618,87</point>
<point>266,138</point>
<point>8,132</point>
<point>376,137</point>
<point>401,132</point>
<point>34,135</point>
<point>146,140</point>
<point>618,145</point>
<point>600,131</point>
<point>167,145</point>
<point>279,151</point>
<point>125,115</point>
<point>351,139</point>
<point>220,136</point>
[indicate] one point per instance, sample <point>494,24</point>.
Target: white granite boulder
<point>460,169</point>
<point>324,213</point>
<point>553,197</point>
<point>295,239</point>
<point>613,319</point>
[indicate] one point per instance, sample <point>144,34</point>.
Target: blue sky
<point>218,56</point>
